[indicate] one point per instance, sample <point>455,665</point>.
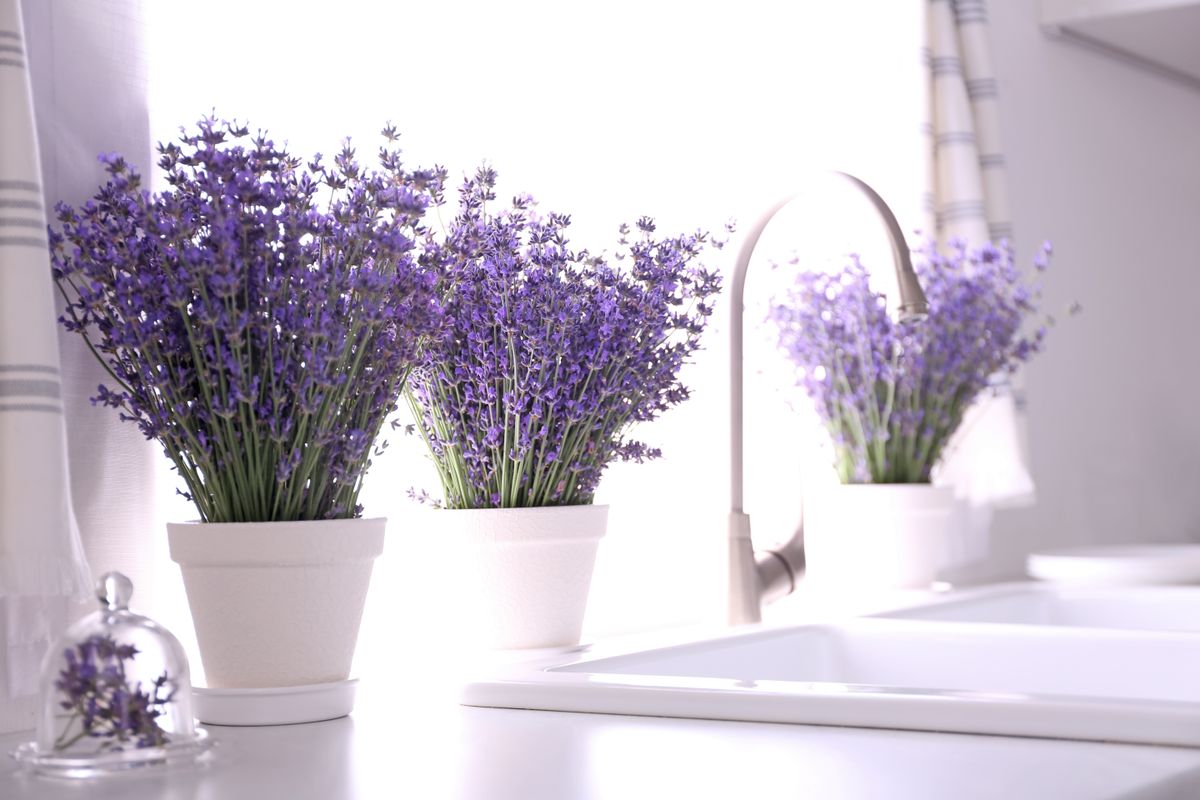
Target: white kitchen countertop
<point>409,738</point>
<point>401,745</point>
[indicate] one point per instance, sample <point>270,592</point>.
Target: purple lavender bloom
<point>552,353</point>
<point>95,690</point>
<point>891,395</point>
<point>259,317</point>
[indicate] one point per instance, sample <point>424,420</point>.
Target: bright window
<point>691,113</point>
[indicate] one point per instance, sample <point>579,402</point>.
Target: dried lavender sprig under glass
<point>552,354</point>
<point>258,317</point>
<point>891,395</point>
<point>98,696</point>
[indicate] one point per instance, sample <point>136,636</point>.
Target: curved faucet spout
<point>757,578</point>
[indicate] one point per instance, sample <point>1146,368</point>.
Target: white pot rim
<point>906,496</point>
<point>921,489</point>
<point>296,543</point>
<point>522,525</point>
<point>525,510</point>
<point>896,486</point>
<point>212,526</point>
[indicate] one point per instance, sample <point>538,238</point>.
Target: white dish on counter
<point>1118,565</point>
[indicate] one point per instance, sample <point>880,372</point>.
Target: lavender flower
<point>259,317</point>
<point>97,693</point>
<point>552,353</point>
<point>891,395</point>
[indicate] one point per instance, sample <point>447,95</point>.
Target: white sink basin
<point>1018,680</point>
<point>1151,608</point>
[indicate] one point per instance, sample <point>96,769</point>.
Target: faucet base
<point>743,591</point>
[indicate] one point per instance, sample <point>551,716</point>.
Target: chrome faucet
<point>755,579</point>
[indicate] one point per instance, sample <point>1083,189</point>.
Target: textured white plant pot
<point>881,536</point>
<point>531,569</point>
<point>276,603</point>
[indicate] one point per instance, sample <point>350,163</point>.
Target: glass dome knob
<point>114,591</point>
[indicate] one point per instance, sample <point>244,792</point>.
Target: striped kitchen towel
<point>966,198</point>
<point>42,566</point>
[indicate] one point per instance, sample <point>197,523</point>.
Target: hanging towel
<point>88,67</point>
<point>967,198</point>
<point>42,567</point>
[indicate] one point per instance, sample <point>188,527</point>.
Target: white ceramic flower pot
<point>531,569</point>
<point>881,536</point>
<point>276,603</point>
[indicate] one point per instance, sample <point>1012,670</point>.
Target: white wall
<point>1104,160</point>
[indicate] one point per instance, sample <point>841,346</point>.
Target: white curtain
<point>90,86</point>
<point>77,67</point>
<point>42,569</point>
<point>967,198</point>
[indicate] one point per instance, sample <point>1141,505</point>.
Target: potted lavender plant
<point>258,319</point>
<point>552,355</point>
<point>892,397</point>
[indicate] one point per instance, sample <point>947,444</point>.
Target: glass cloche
<point>115,693</point>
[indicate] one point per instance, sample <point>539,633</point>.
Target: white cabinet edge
<point>1142,33</point>
<point>1063,12</point>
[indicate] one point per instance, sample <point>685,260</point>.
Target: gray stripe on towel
<point>979,88</point>
<point>46,407</point>
<point>945,65</point>
<point>960,213</point>
<point>955,137</point>
<point>953,204</point>
<point>36,205</point>
<point>10,35</point>
<point>12,62</point>
<point>970,11</point>
<point>23,241</point>
<point>25,387</point>
<point>29,368</point>
<point>12,48</point>
<point>19,186</point>
<point>13,222</point>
